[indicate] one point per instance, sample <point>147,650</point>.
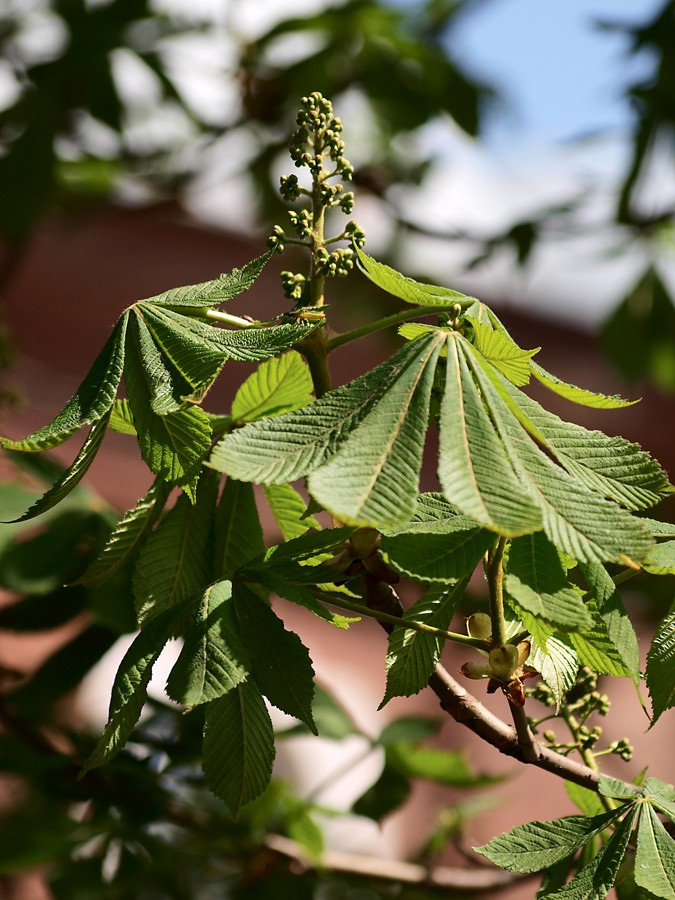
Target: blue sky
<point>559,76</point>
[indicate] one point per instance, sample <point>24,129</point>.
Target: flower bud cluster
<point>317,137</point>
<point>301,221</point>
<point>293,285</point>
<point>336,264</point>
<point>622,748</point>
<point>277,240</point>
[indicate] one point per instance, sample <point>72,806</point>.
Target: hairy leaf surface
<point>166,384</point>
<point>407,289</point>
<point>579,395</point>
<point>213,293</point>
<point>661,667</point>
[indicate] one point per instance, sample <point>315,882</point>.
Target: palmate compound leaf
<point>655,856</point>
<point>213,293</point>
<point>280,662</point>
<point>407,289</point>
<point>176,563</point>
<point>438,545</point>
<point>213,660</point>
<point>361,444</point>
<point>91,402</point>
<point>412,655</point>
<point>535,576</point>
<point>166,385</point>
<point>73,474</point>
<point>575,519</point>
<point>128,536</point>
<point>130,686</point>
<point>661,667</point>
<point>238,746</point>
<point>538,845</point>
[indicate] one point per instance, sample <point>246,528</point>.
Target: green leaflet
<point>438,545</point>
<point>499,349</point>
<point>130,687</point>
<point>238,533</point>
<point>620,629</point>
<point>166,384</point>
<point>661,795</point>
<point>280,449</point>
<point>655,856</point>
<point>447,767</point>
<point>659,529</point>
<point>238,746</point>
<point>91,402</point>
<point>661,667</point>
<point>412,655</point>
<point>596,879</point>
<point>579,395</point>
<point>373,477</point>
<point>558,664</point>
<point>121,419</point>
<point>128,536</point>
<point>595,647</point>
<point>407,289</point>
<point>473,468</point>
<point>389,792</point>
<point>72,476</point>
<point>176,562</point>
<point>280,662</point>
<point>213,293</point>
<point>174,445</point>
<point>538,845</point>
<point>289,510</point>
<point>580,522</point>
<point>661,560</point>
<point>306,595</point>
<point>537,580</point>
<point>212,661</point>
<point>279,385</point>
<point>584,799</point>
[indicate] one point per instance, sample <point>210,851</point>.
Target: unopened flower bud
<point>479,626</point>
<point>504,662</point>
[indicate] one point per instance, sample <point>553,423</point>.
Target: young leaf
<point>277,386</point>
<point>537,580</point>
<point>130,687</point>
<point>212,661</point>
<point>176,564</point>
<point>92,401</point>
<point>128,536</point>
<point>655,856</point>
<point>174,445</point>
<point>289,509</point>
<point>538,845</point>
<point>473,467</point>
<point>503,353</point>
<point>121,419</point>
<point>596,879</point>
<point>373,477</point>
<point>579,395</point>
<point>238,533</point>
<point>238,746</point>
<point>407,289</point>
<point>558,664</point>
<point>390,791</point>
<point>438,545</point>
<point>661,667</point>
<point>412,655</point>
<point>280,662</point>
<point>72,476</point>
<point>213,293</point>
<point>280,449</point>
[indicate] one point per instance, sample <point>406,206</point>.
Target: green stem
<point>205,312</point>
<point>495,577</point>
<point>403,316</point>
<point>626,575</point>
<point>405,623</point>
<point>587,755</point>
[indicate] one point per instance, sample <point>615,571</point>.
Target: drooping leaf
<point>498,348</point>
<point>279,385</point>
<point>659,529</point>
<point>655,856</point>
<point>280,662</point>
<point>176,562</point>
<point>473,468</point>
<point>579,395</point>
<point>280,449</point>
<point>412,655</point>
<point>620,629</point>
<point>213,293</point>
<point>73,475</point>
<point>438,545</point>
<point>538,845</point>
<point>174,445</point>
<point>661,560</point>
<point>407,289</point>
<point>373,477</point>
<point>661,667</point>
<point>213,660</point>
<point>166,384</point>
<point>596,879</point>
<point>130,687</point>
<point>238,532</point>
<point>289,510</point>
<point>537,580</point>
<point>91,402</point>
<point>128,536</point>
<point>238,746</point>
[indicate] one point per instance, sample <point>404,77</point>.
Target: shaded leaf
<point>289,510</point>
<point>661,667</point>
<point>447,767</point>
<point>390,791</point>
<point>238,532</point>
<point>238,746</point>
<point>121,419</point>
<point>166,385</point>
